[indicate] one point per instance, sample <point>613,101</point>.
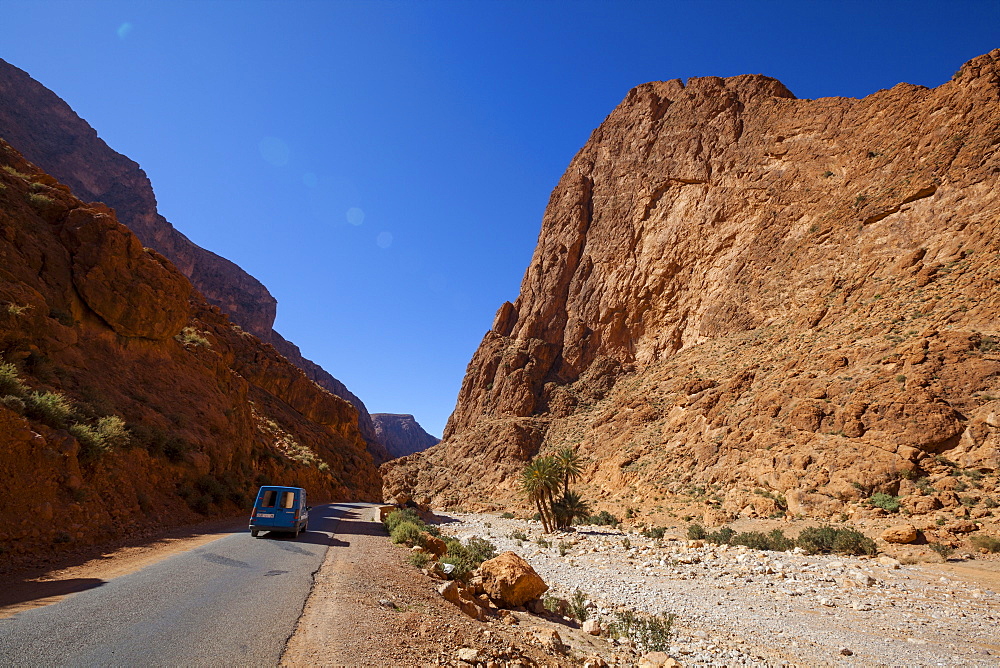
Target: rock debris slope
<point>126,399</point>
<point>50,134</point>
<point>401,434</point>
<point>736,290</point>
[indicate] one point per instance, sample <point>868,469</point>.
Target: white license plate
<point>265,514</point>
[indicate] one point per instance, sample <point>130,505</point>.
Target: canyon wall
<point>51,135</point>
<point>401,434</point>
<point>127,401</point>
<point>751,302</point>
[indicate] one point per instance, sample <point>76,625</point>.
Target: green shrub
<point>649,633</point>
<point>654,532</point>
<point>988,543</point>
<point>52,408</point>
<point>578,606</point>
<point>696,532</point>
<point>827,539</point>
<point>507,516</point>
<point>942,549</point>
<point>10,383</point>
<point>723,536</point>
<point>406,532</point>
<point>13,403</point>
<point>393,519</point>
<point>603,518</point>
<point>775,540</point>
<point>517,534</point>
<point>467,557</point>
<point>419,559</point>
<point>886,502</point>
<point>190,335</point>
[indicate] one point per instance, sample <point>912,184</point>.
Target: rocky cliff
<point>50,134</point>
<point>126,399</point>
<point>401,434</point>
<point>754,303</point>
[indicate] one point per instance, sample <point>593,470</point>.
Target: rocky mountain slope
<point>50,134</point>
<point>126,399</point>
<point>755,304</point>
<point>401,434</point>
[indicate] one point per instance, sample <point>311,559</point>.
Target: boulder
<point>463,598</point>
<point>902,534</point>
<point>510,580</point>
<point>433,544</point>
<point>961,526</point>
<point>592,627</point>
<point>658,660</point>
<point>548,638</point>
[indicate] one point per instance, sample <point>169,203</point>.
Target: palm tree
<point>550,475</point>
<point>570,508</point>
<point>532,482</point>
<point>570,467</point>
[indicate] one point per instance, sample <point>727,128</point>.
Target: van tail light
<point>296,514</point>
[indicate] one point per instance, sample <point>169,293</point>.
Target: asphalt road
<point>234,601</point>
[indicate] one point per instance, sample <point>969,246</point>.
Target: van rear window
<point>269,498</point>
<point>288,499</point>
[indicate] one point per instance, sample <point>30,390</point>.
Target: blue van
<point>280,509</point>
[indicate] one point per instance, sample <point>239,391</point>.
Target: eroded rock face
<point>49,133</point>
<point>401,434</point>
<point>209,411</point>
<point>735,290</point>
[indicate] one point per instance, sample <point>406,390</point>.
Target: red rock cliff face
<point>401,434</point>
<point>734,289</point>
<point>126,400</point>
<point>51,135</point>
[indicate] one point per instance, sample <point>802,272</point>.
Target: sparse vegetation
<point>578,606</point>
<point>815,540</point>
<point>988,543</point>
<point>886,502</point>
<point>696,532</point>
<point>51,408</point>
<point>467,557</point>
<point>944,551</point>
<point>419,559</point>
<point>191,336</point>
<point>650,633</point>
<point>826,539</point>
<point>603,518</point>
<point>10,383</point>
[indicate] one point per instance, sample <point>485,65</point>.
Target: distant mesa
<point>401,434</point>
<point>50,134</point>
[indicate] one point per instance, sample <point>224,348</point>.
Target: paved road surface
<point>234,601</point>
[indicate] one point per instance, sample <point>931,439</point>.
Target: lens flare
<point>310,179</point>
<point>275,151</point>
<point>384,239</point>
<point>124,29</point>
<point>355,216</point>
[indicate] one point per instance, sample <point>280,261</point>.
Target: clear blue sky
<point>383,167</point>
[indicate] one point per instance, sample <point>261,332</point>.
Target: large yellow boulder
<point>903,534</point>
<point>510,581</point>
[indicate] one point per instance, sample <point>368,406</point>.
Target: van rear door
<point>287,509</point>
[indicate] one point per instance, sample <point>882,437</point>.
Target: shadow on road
<point>15,594</point>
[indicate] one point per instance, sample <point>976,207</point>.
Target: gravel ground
<point>737,606</point>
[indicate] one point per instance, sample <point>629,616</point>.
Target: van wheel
<point>253,532</point>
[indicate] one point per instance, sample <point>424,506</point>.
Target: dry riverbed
<point>737,606</point>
